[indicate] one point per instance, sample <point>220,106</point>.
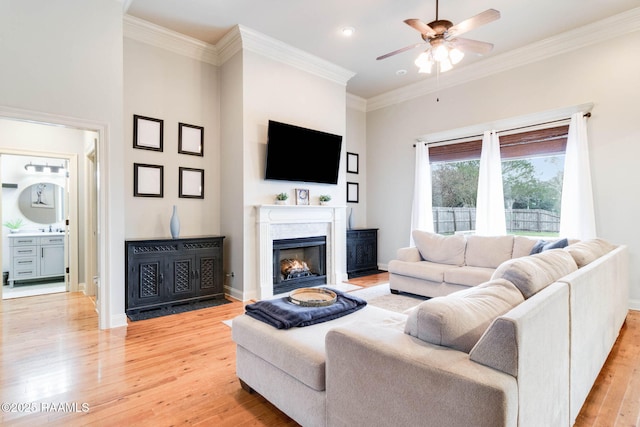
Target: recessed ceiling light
<point>348,31</point>
<point>401,72</point>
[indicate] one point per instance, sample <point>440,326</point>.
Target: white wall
<point>277,91</point>
<point>176,89</point>
<point>604,74</point>
<point>356,142</point>
<point>62,61</point>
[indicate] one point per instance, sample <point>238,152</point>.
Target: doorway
<point>32,143</point>
<point>35,239</point>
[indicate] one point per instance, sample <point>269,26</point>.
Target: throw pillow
<point>543,245</point>
<point>458,320</point>
<point>440,249</point>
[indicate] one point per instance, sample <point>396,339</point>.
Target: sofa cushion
<point>532,273</point>
<point>458,320</point>
<point>543,245</point>
<point>522,246</point>
<point>468,275</point>
<point>300,352</point>
<point>488,251</point>
<point>588,250</point>
<point>440,249</point>
<point>424,270</point>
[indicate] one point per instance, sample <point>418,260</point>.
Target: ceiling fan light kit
<point>444,47</point>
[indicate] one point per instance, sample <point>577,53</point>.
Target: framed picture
<point>353,190</point>
<point>42,196</point>
<point>353,163</point>
<point>191,183</point>
<point>190,139</point>
<point>302,196</point>
<point>148,180</point>
<point>147,133</point>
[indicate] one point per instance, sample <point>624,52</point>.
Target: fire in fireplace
<point>299,263</point>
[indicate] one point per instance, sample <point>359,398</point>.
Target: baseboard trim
<point>634,304</point>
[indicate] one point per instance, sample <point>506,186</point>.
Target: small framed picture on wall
<point>353,192</point>
<point>147,133</point>
<point>190,139</point>
<point>353,161</point>
<point>148,180</point>
<point>191,183</point>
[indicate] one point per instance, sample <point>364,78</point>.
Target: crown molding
<point>271,48</point>
<point>612,27</point>
<point>237,39</point>
<point>356,103</point>
<point>155,35</point>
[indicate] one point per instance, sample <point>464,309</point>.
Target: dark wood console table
<point>362,252</point>
<point>162,273</point>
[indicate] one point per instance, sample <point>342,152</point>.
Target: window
<point>532,172</point>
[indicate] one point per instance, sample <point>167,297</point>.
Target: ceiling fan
<point>444,45</point>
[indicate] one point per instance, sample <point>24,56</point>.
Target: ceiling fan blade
<point>473,46</point>
<point>404,49</point>
<point>485,17</point>
<point>423,28</point>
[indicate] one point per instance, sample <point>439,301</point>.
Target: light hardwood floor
<point>180,369</point>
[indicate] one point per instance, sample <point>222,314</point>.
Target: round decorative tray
<point>312,297</point>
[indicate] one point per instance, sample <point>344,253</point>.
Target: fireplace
<point>299,263</point>
<point>286,222</point>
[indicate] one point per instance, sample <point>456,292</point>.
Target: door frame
<point>103,300</point>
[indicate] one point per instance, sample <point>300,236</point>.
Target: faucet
<point>50,229</point>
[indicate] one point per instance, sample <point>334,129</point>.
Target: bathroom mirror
<point>42,203</point>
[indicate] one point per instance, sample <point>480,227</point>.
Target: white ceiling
<point>314,26</point>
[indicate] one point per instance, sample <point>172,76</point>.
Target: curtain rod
<point>444,141</point>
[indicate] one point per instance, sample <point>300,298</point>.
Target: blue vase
<point>174,224</point>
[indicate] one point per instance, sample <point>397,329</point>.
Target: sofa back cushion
<point>488,251</point>
<point>440,249</point>
<point>588,251</point>
<point>533,273</point>
<point>458,320</point>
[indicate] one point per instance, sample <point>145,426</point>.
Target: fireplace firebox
<point>299,263</point>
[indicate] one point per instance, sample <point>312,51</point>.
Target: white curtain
<point>490,218</point>
<point>577,217</point>
<point>421,213</point>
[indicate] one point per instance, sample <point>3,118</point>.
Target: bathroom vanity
<point>36,256</point>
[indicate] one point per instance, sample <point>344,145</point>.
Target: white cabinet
<point>36,257</point>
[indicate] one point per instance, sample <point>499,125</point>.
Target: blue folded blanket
<point>282,314</point>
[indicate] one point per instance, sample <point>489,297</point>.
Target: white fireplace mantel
<point>293,221</point>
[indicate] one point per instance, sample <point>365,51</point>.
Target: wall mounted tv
<point>299,154</point>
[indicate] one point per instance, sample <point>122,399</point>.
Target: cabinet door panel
<point>51,260</point>
<point>149,275</point>
<point>210,275</point>
<point>182,275</point>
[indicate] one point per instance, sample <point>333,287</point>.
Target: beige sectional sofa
<point>439,265</point>
<point>521,349</point>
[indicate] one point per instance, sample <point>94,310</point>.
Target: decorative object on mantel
<point>174,223</point>
<point>350,220</point>
<point>324,199</point>
<point>302,196</point>
<point>14,225</point>
<point>281,198</point>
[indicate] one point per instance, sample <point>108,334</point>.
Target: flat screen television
<point>299,154</point>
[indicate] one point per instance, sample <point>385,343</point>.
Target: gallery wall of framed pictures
<point>353,188</point>
<point>148,178</point>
